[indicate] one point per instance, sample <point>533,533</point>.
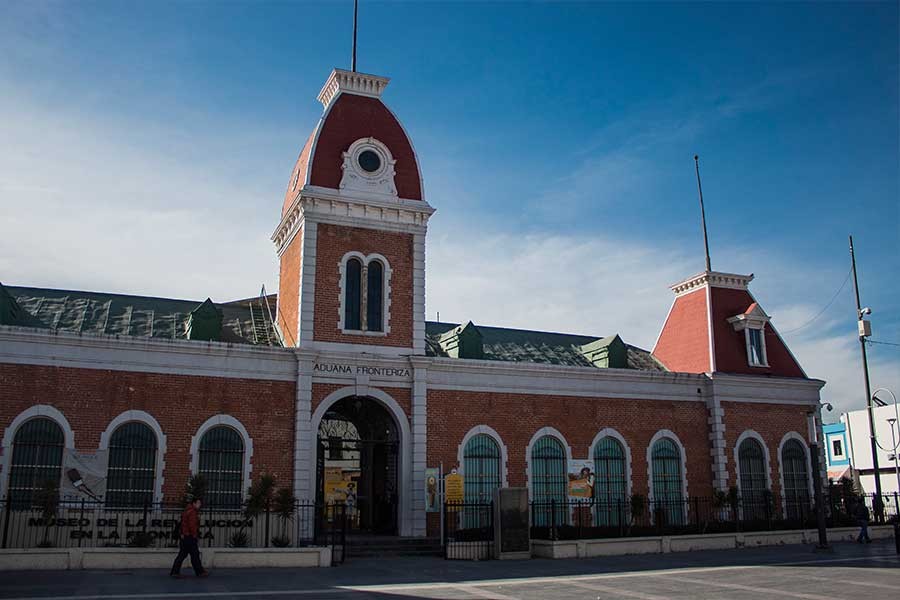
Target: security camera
<point>865,311</point>
<point>829,407</point>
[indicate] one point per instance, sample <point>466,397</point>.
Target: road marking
<point>445,584</point>
<point>480,593</point>
<point>596,587</point>
<point>850,581</point>
<point>766,592</point>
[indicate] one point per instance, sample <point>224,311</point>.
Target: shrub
<point>239,539</point>
<point>280,541</point>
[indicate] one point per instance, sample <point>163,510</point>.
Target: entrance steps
<point>376,546</point>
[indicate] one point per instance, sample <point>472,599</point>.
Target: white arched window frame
<point>228,421</point>
<point>9,435</point>
<point>488,431</point>
<point>612,433</point>
<point>767,465</point>
<point>365,260</point>
<point>793,435</point>
<point>665,433</point>
<point>542,432</point>
<point>140,416</point>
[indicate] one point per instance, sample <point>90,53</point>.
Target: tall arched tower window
<point>796,480</point>
<point>667,482</point>
<point>132,465</point>
<point>222,465</point>
<point>549,480</point>
<point>375,296</point>
<point>36,459</point>
<point>353,295</point>
<point>609,482</point>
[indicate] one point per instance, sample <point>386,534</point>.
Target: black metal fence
<point>92,524</point>
<point>561,520</point>
<point>468,530</point>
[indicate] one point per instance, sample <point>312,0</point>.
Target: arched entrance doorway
<point>358,463</point>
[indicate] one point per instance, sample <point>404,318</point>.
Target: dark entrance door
<point>358,452</point>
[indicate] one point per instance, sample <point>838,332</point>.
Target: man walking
<point>862,518</point>
<point>189,532</point>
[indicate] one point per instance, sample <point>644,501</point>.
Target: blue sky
<point>147,148</point>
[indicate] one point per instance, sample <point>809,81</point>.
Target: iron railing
<point>90,524</point>
<point>468,530</point>
<point>569,519</point>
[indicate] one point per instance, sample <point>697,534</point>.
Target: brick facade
<point>289,289</point>
<point>334,241</point>
<point>91,398</point>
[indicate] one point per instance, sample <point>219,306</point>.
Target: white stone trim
<point>716,431</point>
<point>9,435</point>
<point>611,432</point>
<point>28,346</point>
<point>405,491</point>
<point>710,331</point>
<point>418,306</point>
<point>356,179</point>
<point>147,419</point>
<point>732,281</point>
<point>306,311</point>
<point>751,434</point>
<point>540,433</point>
<point>351,82</point>
<point>504,454</point>
<point>344,349</point>
<point>363,291</point>
<point>663,328</point>
<point>793,435</point>
<point>304,478</point>
<point>419,443</point>
<point>666,433</point>
<point>228,421</point>
<point>780,339</point>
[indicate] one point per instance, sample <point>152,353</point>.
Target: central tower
<point>351,240</point>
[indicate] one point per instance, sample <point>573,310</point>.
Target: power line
<point>883,343</point>
<point>821,312</point>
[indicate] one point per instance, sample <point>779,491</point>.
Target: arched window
<point>222,465</point>
<point>36,460</point>
<point>132,465</point>
<point>609,483</point>
<point>353,295</point>
<point>796,480</point>
<point>481,468</point>
<point>753,482</point>
<point>375,296</point>
<point>668,502</point>
<point>549,480</point>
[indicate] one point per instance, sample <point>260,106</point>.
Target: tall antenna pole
<point>353,59</point>
<point>869,399</point>
<point>702,212</point>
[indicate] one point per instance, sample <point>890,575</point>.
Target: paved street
<point>849,571</point>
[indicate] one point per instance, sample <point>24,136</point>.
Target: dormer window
<point>365,294</point>
<point>753,322</point>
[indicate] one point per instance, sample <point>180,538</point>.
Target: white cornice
<point>333,206</point>
<point>22,345</point>
<point>351,82</point>
<point>712,279</point>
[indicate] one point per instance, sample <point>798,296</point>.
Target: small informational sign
<point>339,486</point>
<point>453,487</point>
<point>581,479</point>
<point>432,493</point>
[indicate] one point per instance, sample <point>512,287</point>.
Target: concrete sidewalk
<point>790,571</point>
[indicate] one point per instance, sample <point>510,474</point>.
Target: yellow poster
<point>453,487</point>
<point>581,479</point>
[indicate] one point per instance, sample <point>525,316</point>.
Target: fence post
<point>144,520</point>
<point>446,526</point>
<point>697,512</point>
<point>6,518</point>
<point>81,523</point>
<point>268,514</point>
<point>552,518</point>
<point>621,519</point>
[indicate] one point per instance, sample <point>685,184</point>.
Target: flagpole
<point>702,212</point>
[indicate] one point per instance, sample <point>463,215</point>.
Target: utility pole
<point>863,332</point>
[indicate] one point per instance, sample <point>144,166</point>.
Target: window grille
<point>222,465</point>
<point>609,482</point>
<point>753,479</point>
<point>481,468</point>
<point>132,466</point>
<point>36,459</point>
<point>667,482</point>
<point>549,479</point>
<point>796,479</point>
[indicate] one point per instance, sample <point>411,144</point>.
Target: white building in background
<point>857,423</point>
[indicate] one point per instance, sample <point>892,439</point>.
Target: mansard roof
<point>143,316</point>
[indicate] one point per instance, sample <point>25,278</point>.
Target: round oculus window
<point>369,161</point>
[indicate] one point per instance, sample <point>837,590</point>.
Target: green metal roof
<point>140,316</point>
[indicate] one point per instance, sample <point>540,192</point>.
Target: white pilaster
<point>419,293</point>
<point>307,284</point>
<point>419,443</point>
<point>716,430</point>
<point>304,437</point>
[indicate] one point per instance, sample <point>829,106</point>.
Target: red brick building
<point>341,389</point>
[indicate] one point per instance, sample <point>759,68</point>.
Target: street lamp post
<point>891,422</point>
